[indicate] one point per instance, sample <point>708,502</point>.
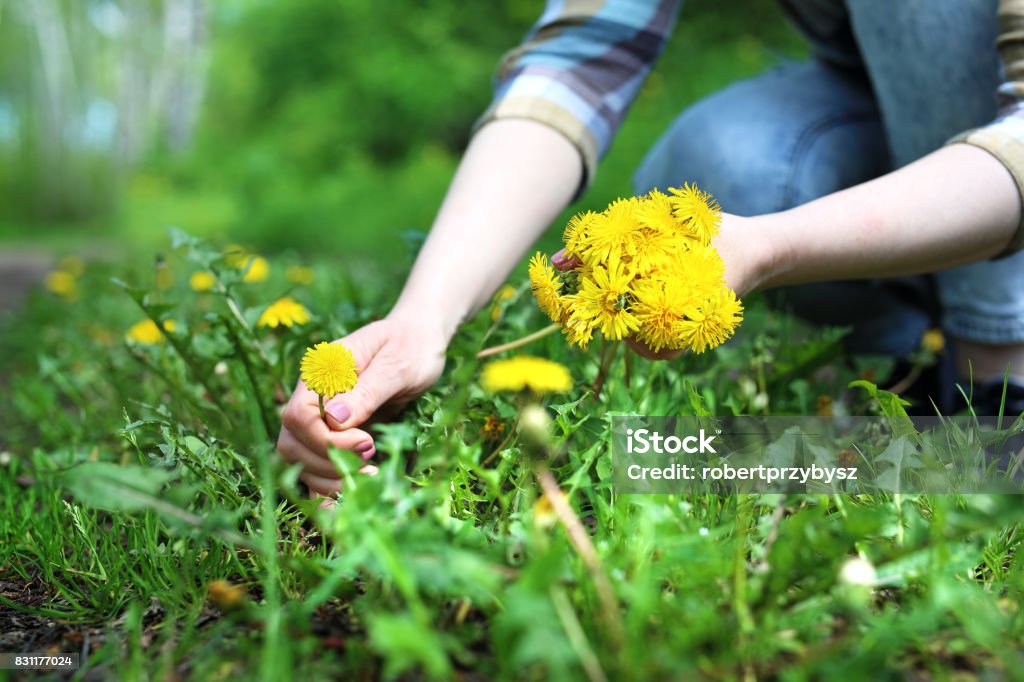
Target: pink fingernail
<point>339,411</point>
<point>363,447</point>
<point>563,262</point>
<point>369,454</point>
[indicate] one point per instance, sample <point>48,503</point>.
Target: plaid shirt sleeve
<point>1004,137</point>
<point>580,67</point>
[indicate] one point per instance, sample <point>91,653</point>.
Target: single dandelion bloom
<point>284,312</point>
<point>579,329</point>
<point>544,514</point>
<point>605,297</point>
<point>614,236</point>
<point>226,596</point>
<point>62,283</point>
<point>655,212</point>
<point>256,269</point>
<point>526,373</point>
<point>546,286</point>
<point>300,274</point>
<point>492,428</point>
<point>147,332</point>
<point>697,211</point>
<point>328,369</point>
<point>659,307</point>
<point>653,250</point>
<point>503,294</point>
<point>711,323</point>
<point>578,230</point>
<point>202,281</point>
<point>933,341</point>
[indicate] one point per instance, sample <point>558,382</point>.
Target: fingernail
<point>340,412</point>
<point>363,447</point>
<point>559,260</point>
<point>369,454</point>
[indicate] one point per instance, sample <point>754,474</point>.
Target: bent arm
<point>955,206</point>
<point>513,181</point>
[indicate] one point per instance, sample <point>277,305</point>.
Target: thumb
<point>375,384</point>
<point>374,388</point>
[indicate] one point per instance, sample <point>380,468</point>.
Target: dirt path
<point>21,270</point>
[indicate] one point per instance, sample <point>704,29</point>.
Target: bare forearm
<point>514,179</point>
<point>955,206</point>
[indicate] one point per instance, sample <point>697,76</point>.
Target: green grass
<point>138,476</point>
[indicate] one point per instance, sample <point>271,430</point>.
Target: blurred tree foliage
<point>330,123</point>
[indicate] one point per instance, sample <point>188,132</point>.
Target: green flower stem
<point>529,338</point>
<point>323,413</point>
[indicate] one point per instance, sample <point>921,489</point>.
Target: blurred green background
<point>327,126</point>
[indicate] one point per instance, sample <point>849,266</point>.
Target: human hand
<point>398,358</point>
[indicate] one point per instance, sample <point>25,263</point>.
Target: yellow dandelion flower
<point>505,293</point>
<point>236,255</point>
<point>147,332</point>
<point>933,341</point>
<point>202,281</point>
<point>546,286</point>
<point>328,369</point>
<point>711,323</point>
<point>659,308</point>
<point>256,267</point>
<point>285,312</point>
<point>578,230</point>
<point>697,212</point>
<point>654,250</point>
<point>579,328</point>
<point>699,266</point>
<point>605,297</point>
<point>524,372</point>
<point>256,270</point>
<point>62,283</point>
<point>614,236</point>
<point>544,514</point>
<point>655,212</point>
<point>300,274</point>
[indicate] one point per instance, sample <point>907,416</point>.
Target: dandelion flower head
<point>526,373</point>
<point>328,369</point>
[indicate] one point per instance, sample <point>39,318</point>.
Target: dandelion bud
<point>856,578</point>
<point>224,595</point>
<point>535,425</point>
<point>858,572</point>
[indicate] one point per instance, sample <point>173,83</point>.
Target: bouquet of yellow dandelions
<point>643,267</point>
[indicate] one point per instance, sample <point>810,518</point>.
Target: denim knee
<point>772,142</point>
<point>984,302</point>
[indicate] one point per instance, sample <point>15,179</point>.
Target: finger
<point>321,484</point>
<point>301,418</point>
<point>332,486</point>
<point>378,384</point>
<point>325,502</point>
<point>562,262</point>
<point>292,450</point>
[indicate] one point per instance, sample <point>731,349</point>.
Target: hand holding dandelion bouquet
<point>643,267</point>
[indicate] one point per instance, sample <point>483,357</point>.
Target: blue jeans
<point>926,71</point>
